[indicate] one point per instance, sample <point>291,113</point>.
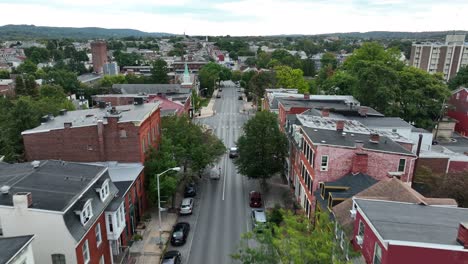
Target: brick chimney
<point>22,200</point>
<point>306,96</point>
<point>325,112</point>
<point>340,125</point>
<point>359,144</point>
<point>360,160</point>
<point>462,236</point>
<point>374,138</point>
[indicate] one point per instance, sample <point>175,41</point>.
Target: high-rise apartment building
<point>99,51</point>
<point>446,58</point>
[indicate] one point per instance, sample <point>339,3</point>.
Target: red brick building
<point>99,53</point>
<point>325,150</point>
<point>121,133</point>
<point>388,232</point>
<point>459,112</point>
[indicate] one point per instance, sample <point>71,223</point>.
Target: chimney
<point>462,236</point>
<point>22,200</point>
<point>374,138</point>
<point>363,111</point>
<point>360,163</point>
<point>67,124</point>
<point>306,96</point>
<point>359,144</point>
<point>100,130</point>
<point>325,112</point>
<point>340,125</point>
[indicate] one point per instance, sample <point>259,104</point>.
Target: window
<point>401,165</point>
<point>86,212</point>
<point>143,145</point>
<point>311,157</point>
<point>86,252</point>
<point>118,218</point>
<point>98,234</point>
<point>361,229</point>
<point>58,259</point>
<point>377,254</point>
<point>123,133</point>
<point>122,214</point>
<point>458,96</point>
<point>101,261</point>
<point>324,163</point>
<point>109,221</point>
<point>104,190</point>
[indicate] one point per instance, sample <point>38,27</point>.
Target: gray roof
<point>10,246</point>
<point>122,171</point>
<point>390,122</point>
<point>151,88</point>
<point>54,185</point>
<point>59,186</point>
<point>123,187</point>
<point>89,77</point>
<point>355,183</point>
<point>168,112</point>
<point>335,105</point>
<point>414,222</point>
<point>335,138</point>
<point>89,117</point>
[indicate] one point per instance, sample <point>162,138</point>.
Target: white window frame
<point>457,96</point>
<point>85,250</point>
<point>404,166</point>
<point>101,260</point>
<point>361,227</point>
<point>97,230</point>
<point>86,213</point>
<point>324,167</point>
<point>104,190</point>
<point>379,254</point>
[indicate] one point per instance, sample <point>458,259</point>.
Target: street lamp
<point>159,202</point>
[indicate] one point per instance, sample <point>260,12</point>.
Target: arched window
<point>104,190</point>
<point>58,259</point>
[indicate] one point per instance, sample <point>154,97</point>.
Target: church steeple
<point>186,79</point>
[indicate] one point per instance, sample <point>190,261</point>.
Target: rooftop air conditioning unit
<point>359,240</point>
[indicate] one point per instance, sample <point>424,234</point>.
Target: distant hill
<point>20,32</point>
<point>397,35</point>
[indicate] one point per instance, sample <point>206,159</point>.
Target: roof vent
<point>36,164</point>
<point>5,189</point>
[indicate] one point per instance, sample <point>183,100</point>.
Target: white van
<point>215,172</point>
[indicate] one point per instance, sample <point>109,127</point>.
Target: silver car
<point>258,218</point>
<point>186,207</point>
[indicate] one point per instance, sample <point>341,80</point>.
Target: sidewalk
<point>147,250</point>
<point>207,111</point>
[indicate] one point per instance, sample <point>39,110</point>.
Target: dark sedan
<point>190,190</point>
<point>172,257</point>
<point>180,233</point>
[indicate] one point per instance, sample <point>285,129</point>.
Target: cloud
<point>241,17</point>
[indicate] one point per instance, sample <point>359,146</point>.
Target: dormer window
<point>86,212</point>
<point>104,190</point>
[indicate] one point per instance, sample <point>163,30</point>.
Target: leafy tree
<point>37,55</point>
<point>127,59</point>
<point>159,72</point>
<point>251,62</point>
<point>291,78</point>
<point>225,74</point>
<point>66,79</point>
<point>341,82</point>
<point>329,59</point>
<point>308,67</point>
<point>134,79</point>
<point>403,46</point>
<point>4,74</point>
<point>108,80</point>
<point>209,75</point>
<point>156,162</point>
<point>20,88</point>
<point>235,76</point>
<point>259,82</point>
<point>262,147</point>
<point>30,85</point>
<point>461,79</point>
<point>294,240</point>
<point>27,66</point>
<point>263,59</point>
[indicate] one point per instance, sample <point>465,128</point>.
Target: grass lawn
<point>204,102</point>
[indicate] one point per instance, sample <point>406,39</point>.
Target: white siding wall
<point>51,234</point>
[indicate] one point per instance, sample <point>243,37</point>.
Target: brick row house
<point>73,209</point>
<point>459,111</point>
<point>324,149</point>
<point>121,133</point>
<point>399,232</point>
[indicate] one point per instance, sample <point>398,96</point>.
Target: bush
<point>276,216</point>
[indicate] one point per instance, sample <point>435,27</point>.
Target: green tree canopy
<point>4,74</point>
<point>262,147</point>
<point>109,80</point>
<point>127,59</point>
<point>28,67</point>
<point>159,72</point>
<point>291,78</point>
<point>461,79</point>
<point>209,75</point>
<point>329,59</point>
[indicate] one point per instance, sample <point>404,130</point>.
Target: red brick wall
<point>425,53</point>
<point>460,112</point>
<point>437,165</point>
<point>81,144</point>
<point>368,245</point>
<point>455,61</point>
<point>458,166</point>
<point>411,255</point>
<point>115,101</point>
<point>95,251</point>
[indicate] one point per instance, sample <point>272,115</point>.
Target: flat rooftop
<point>414,222</point>
<point>90,117</point>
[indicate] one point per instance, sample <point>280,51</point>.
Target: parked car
<point>218,95</point>
<point>255,199</point>
<point>220,90</point>
<point>190,190</point>
<point>240,97</point>
<point>180,233</point>
<point>233,152</point>
<point>186,207</point>
<point>258,218</point>
<point>172,257</point>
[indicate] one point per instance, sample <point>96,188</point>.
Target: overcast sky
<point>241,17</point>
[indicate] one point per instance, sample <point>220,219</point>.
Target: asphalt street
<point>221,212</point>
